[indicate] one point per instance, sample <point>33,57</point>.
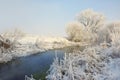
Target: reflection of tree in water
<point>73,49</point>
<point>11,64</point>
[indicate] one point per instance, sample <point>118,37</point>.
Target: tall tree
<point>90,19</point>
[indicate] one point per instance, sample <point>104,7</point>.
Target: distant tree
<point>77,32</point>
<point>74,29</point>
<point>13,34</point>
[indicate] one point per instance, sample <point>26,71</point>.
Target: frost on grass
<point>29,78</point>
<point>91,64</point>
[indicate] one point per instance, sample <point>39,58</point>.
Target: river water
<point>33,64</point>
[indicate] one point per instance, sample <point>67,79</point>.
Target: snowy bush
<point>92,64</point>
<point>11,38</point>
<point>29,78</point>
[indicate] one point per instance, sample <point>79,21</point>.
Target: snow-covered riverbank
<point>93,63</point>
<point>31,44</point>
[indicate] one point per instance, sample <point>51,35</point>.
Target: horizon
<point>49,17</point>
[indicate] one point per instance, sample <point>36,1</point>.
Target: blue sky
<point>48,17</point>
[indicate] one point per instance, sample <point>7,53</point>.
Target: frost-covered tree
<point>75,31</point>
<point>78,33</point>
<point>110,33</point>
<point>113,29</point>
<point>87,26</point>
<point>13,34</point>
<point>90,19</point>
<point>9,39</point>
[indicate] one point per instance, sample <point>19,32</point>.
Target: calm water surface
<point>38,63</point>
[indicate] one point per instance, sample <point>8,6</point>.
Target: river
<point>37,65</point>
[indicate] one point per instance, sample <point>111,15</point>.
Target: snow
<point>31,44</point>
<point>99,62</point>
<point>93,63</point>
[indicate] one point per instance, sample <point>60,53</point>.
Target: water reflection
<point>73,49</point>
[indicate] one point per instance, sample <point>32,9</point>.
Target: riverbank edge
<point>13,54</point>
